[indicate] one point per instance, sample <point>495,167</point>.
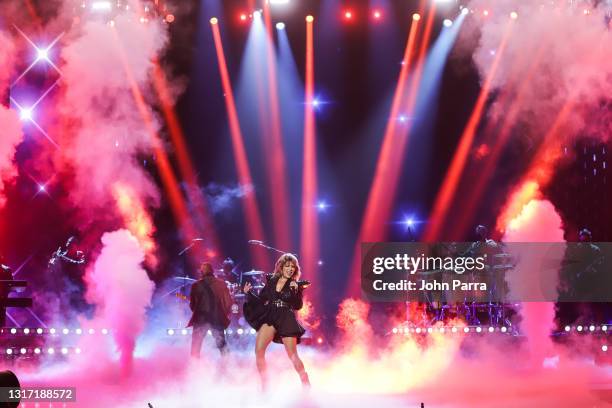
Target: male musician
<point>211,303</point>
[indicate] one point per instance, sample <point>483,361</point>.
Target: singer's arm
<point>297,300</point>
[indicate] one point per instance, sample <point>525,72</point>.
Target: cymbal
<point>184,278</point>
<point>253,273</point>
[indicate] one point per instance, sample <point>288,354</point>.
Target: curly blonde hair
<point>284,258</point>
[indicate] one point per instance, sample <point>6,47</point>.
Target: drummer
<point>228,269</point>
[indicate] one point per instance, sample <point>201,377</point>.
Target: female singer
<point>272,314</point>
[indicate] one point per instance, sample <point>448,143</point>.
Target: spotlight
<point>514,15</point>
<point>280,26</point>
<point>447,22</point>
<point>170,332</point>
<point>78,331</point>
<point>240,331</point>
<point>23,350</point>
<point>567,328</point>
<point>406,330</point>
<point>309,19</point>
<point>25,114</point>
<point>64,350</point>
<point>503,329</point>
<point>429,330</point>
<point>52,330</point>
<point>485,13</point>
<point>91,331</point>
<point>604,348</point>
<point>604,328</point>
<point>13,331</point>
<point>257,14</point>
<point>491,329</point>
<point>320,340</point>
<point>416,16</point>
<point>51,350</point>
<point>478,329</point>
<point>278,2</point>
<point>26,331</point>
<point>9,351</point>
<point>77,350</point>
<point>253,331</point>
<point>320,262</point>
<point>348,14</point>
<point>214,20</point>
<point>466,329</point>
<point>591,328</point>
<point>377,14</point>
<point>184,332</point>
<point>418,329</point>
<point>454,330</point>
<point>104,331</point>
<point>316,103</point>
<point>394,330</point>
<point>36,350</point>
<point>170,18</point>
<point>65,331</point>
<point>441,329</point>
<point>321,206</point>
<point>230,331</point>
<point>409,222</point>
<point>39,330</point>
<point>42,54</point>
<point>465,10</point>
<point>579,328</point>
<point>101,6</point>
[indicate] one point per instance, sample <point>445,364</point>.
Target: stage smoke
<point>10,124</point>
<point>537,222</point>
<point>222,197</point>
<point>121,290</point>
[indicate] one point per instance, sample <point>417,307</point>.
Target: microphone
<point>198,239</point>
<point>303,284</point>
<point>255,242</point>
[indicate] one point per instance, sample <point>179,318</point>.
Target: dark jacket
<point>288,295</point>
<point>210,302</point>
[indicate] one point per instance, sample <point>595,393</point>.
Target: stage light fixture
<point>604,348</point>
<point>39,330</point>
<point>214,20</point>
<point>78,331</point>
<point>348,14</point>
<point>52,330</point>
<point>257,14</point>
<point>514,15</point>
<point>253,331</point>
<point>377,14</point>
<point>418,329</point>
<point>604,328</point>
<point>278,2</point>
<point>320,340</point>
<point>466,329</point>
<point>77,350</point>
<point>184,332</point>
<point>394,330</point>
<point>579,328</point>
<point>9,351</point>
<point>454,330</point>
<point>503,329</point>
<point>567,328</point>
<point>320,262</point>
<point>26,331</point>
<point>309,19</point>
<point>429,330</point>
<point>25,114</point>
<point>170,18</point>
<point>13,331</point>
<point>280,26</point>
<point>65,331</point>
<point>465,10</point>
<point>442,330</point>
<point>321,206</point>
<point>64,350</point>
<point>478,329</point>
<point>42,54</point>
<point>243,17</point>
<point>240,331</point>
<point>591,328</point>
<point>51,350</point>
<point>170,332</point>
<point>101,6</point>
<point>447,22</point>
<point>485,13</point>
<point>91,331</point>
<point>36,350</point>
<point>104,331</point>
<point>22,350</point>
<point>491,329</point>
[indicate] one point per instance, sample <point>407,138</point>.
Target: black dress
<point>276,309</point>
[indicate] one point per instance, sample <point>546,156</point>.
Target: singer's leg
<point>291,349</point>
<point>264,337</point>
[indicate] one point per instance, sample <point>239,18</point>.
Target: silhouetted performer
<point>211,303</point>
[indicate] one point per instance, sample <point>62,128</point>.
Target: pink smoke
<point>564,49</point>
<point>103,130</point>
<point>12,134</point>
<point>121,290</point>
<point>538,221</point>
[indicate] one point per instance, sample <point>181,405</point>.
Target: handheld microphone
<point>303,284</point>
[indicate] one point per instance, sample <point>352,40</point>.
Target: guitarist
<point>211,303</point>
